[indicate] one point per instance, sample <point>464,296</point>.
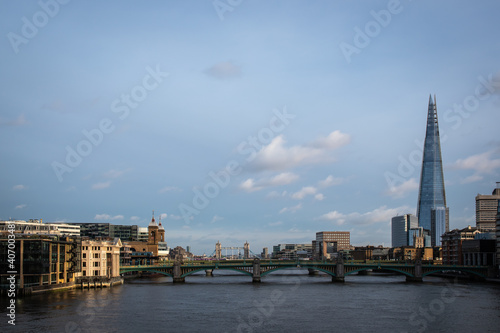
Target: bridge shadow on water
<point>281,277</point>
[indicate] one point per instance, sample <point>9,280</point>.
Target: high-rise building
<point>431,194</point>
<point>486,210</point>
<point>400,226</point>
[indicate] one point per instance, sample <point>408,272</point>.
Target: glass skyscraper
<point>431,196</point>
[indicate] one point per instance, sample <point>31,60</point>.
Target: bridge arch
<point>139,269</point>
<point>376,267</point>
<point>301,266</point>
<point>215,268</point>
<point>460,269</point>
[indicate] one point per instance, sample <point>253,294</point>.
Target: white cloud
<point>175,217</point>
<point>108,217</point>
<point>100,186</point>
<point>308,190</point>
<point>402,190</point>
<point>276,156</point>
<point>378,215</point>
<point>224,70</point>
<point>481,163</point>
<point>334,140</point>
<point>292,209</point>
<point>19,187</point>
<point>330,181</point>
<point>319,196</point>
<point>163,215</point>
<point>284,178</point>
<point>249,185</point>
<point>21,206</point>
<point>135,218</point>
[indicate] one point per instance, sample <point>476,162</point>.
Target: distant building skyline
<point>432,212</point>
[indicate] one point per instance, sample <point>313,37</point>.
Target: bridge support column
<point>209,272</point>
<point>339,270</point>
<point>178,278</point>
<point>313,271</point>
<point>256,271</point>
<point>418,273</point>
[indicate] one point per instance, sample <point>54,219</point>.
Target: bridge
<point>256,268</point>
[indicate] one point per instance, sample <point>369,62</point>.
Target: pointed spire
<point>152,223</point>
<point>430,100</point>
<point>159,223</point>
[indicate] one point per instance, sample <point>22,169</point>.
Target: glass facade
<point>431,191</point>
<point>400,227</point>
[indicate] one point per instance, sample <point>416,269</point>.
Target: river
<point>285,301</point>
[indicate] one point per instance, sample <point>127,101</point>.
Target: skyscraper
<point>400,226</point>
<point>432,213</point>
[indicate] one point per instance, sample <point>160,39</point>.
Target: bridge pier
<point>256,271</point>
<point>418,273</point>
<point>209,272</point>
<point>339,270</point>
<point>178,278</point>
<point>313,271</point>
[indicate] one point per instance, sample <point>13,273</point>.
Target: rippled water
<point>285,301</point>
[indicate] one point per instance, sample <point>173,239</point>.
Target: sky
<point>238,120</point>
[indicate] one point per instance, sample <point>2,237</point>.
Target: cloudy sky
<point>259,121</point>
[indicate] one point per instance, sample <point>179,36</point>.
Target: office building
<point>330,242</point>
<point>108,230</point>
<point>400,227</point>
<point>432,196</point>
<point>292,251</point>
<point>486,210</point>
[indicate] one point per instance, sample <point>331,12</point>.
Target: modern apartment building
<point>41,261</point>
<point>452,244</point>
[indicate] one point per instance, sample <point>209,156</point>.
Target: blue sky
<point>258,121</point>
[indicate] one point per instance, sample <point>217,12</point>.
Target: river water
<point>285,301</point>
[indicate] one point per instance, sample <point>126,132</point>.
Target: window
<point>84,264</point>
<point>96,273</point>
<point>84,255</point>
<point>84,273</point>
